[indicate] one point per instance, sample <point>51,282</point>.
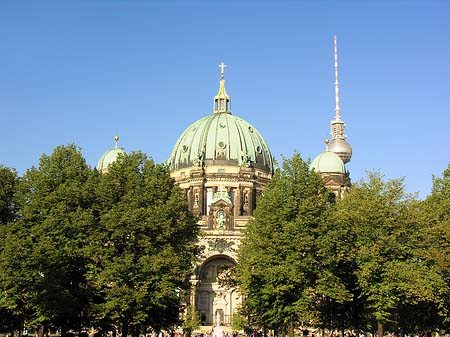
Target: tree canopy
<point>143,247</point>
<point>85,249</point>
<point>43,260</point>
<point>278,268</point>
<point>386,234</point>
<point>8,190</point>
<point>114,251</point>
<point>375,260</point>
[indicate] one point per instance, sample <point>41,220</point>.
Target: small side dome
<point>328,162</point>
<point>109,157</point>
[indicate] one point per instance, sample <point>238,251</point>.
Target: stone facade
<point>223,197</point>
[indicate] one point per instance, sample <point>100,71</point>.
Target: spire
<point>222,100</point>
<point>338,142</point>
<point>337,125</point>
<point>116,140</point>
<point>336,82</point>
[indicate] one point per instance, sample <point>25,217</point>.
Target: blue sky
<point>82,71</point>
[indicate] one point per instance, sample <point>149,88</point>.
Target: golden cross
<point>222,67</point>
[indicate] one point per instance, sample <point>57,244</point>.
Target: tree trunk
<point>291,329</point>
<point>380,329</point>
<point>41,331</point>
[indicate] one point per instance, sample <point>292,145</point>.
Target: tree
<point>8,189</point>
<point>239,321</point>
<point>278,268</point>
<point>43,259</point>
<point>191,320</point>
<point>387,234</point>
<point>143,247</point>
<point>435,247</point>
<point>10,320</point>
<point>440,197</point>
<point>341,305</point>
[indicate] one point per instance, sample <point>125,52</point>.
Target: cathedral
<point>222,164</point>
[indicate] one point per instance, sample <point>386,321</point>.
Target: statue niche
<point>221,212</point>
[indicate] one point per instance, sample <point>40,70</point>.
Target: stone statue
<point>198,160</point>
<point>221,219</point>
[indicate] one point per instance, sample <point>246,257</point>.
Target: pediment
<point>221,203</point>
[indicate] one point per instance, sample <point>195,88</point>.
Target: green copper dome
<point>109,157</point>
<point>328,162</point>
<point>221,139</point>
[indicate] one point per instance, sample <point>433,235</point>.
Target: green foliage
<point>43,261</point>
<point>435,247</point>
<point>91,250</point>
<point>278,267</point>
<point>8,190</point>
<point>378,255</point>
<point>191,320</point>
<point>239,322</point>
<point>80,249</point>
<point>143,246</point>
<point>10,319</point>
<point>439,200</point>
<point>385,230</point>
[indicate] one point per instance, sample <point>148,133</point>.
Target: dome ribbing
<point>221,139</point>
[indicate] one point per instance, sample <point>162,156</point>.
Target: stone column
<point>197,202</point>
<point>193,292</point>
<point>202,199</point>
<point>190,201</point>
<point>237,202</point>
<point>250,201</point>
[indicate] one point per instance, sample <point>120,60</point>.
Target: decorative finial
<point>326,141</point>
<point>222,100</point>
<point>116,139</point>
<point>336,82</point>
<point>222,69</point>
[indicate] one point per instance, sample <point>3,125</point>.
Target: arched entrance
<point>212,299</point>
